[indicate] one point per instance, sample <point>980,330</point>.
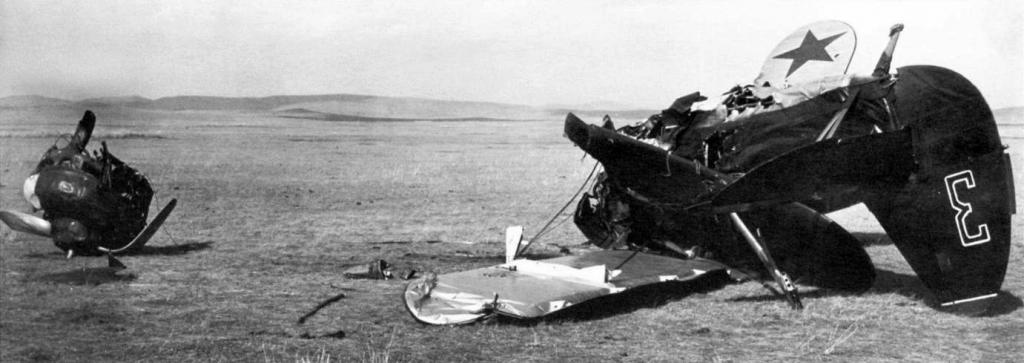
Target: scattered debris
<point>340,334</point>
<point>378,270</point>
<point>322,305</point>
<point>374,270</point>
<point>89,276</point>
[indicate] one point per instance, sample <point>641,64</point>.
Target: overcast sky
<point>640,53</point>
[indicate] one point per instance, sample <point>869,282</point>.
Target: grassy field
<point>272,211</point>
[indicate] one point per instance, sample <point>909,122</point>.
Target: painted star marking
<point>810,49</point>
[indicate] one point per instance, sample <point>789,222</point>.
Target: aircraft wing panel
<point>538,288</point>
<point>645,169</point>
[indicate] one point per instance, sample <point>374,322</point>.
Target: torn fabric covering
<point>750,125</point>
<point>764,136</point>
<point>538,288</point>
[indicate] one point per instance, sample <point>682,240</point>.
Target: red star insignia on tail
<point>810,49</point>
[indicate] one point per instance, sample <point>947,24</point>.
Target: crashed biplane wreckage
<point>744,179</point>
<point>92,204</point>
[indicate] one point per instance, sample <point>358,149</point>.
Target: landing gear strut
<point>785,283</point>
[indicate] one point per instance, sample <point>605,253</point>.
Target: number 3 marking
<point>964,209</point>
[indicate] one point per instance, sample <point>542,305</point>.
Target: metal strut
<point>781,278</point>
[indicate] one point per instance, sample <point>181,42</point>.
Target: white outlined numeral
<point>964,209</point>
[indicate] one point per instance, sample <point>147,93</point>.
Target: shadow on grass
<point>172,250</point>
<point>888,282</point>
<point>644,297</point>
<point>91,276</point>
<point>403,242</point>
<point>1004,303</point>
<point>769,296</point>
<point>51,254</point>
<point>912,287</point>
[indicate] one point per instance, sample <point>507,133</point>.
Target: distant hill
<point>124,101</point>
<point>200,103</point>
<point>420,108</point>
<point>620,117</point>
<point>33,101</point>
<point>351,107</point>
<point>322,107</point>
<point>323,116</point>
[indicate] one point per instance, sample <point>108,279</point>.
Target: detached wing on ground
<point>531,289</point>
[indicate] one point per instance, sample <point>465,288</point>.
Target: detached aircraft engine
<point>92,204</point>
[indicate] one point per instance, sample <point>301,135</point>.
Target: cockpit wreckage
<point>93,204</point>
<point>741,181</point>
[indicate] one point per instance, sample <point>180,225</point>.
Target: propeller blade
<point>24,222</point>
<point>84,131</point>
<point>147,232</point>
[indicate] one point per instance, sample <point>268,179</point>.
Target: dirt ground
<point>271,212</point>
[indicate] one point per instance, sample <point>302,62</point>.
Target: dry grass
<point>271,212</point>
